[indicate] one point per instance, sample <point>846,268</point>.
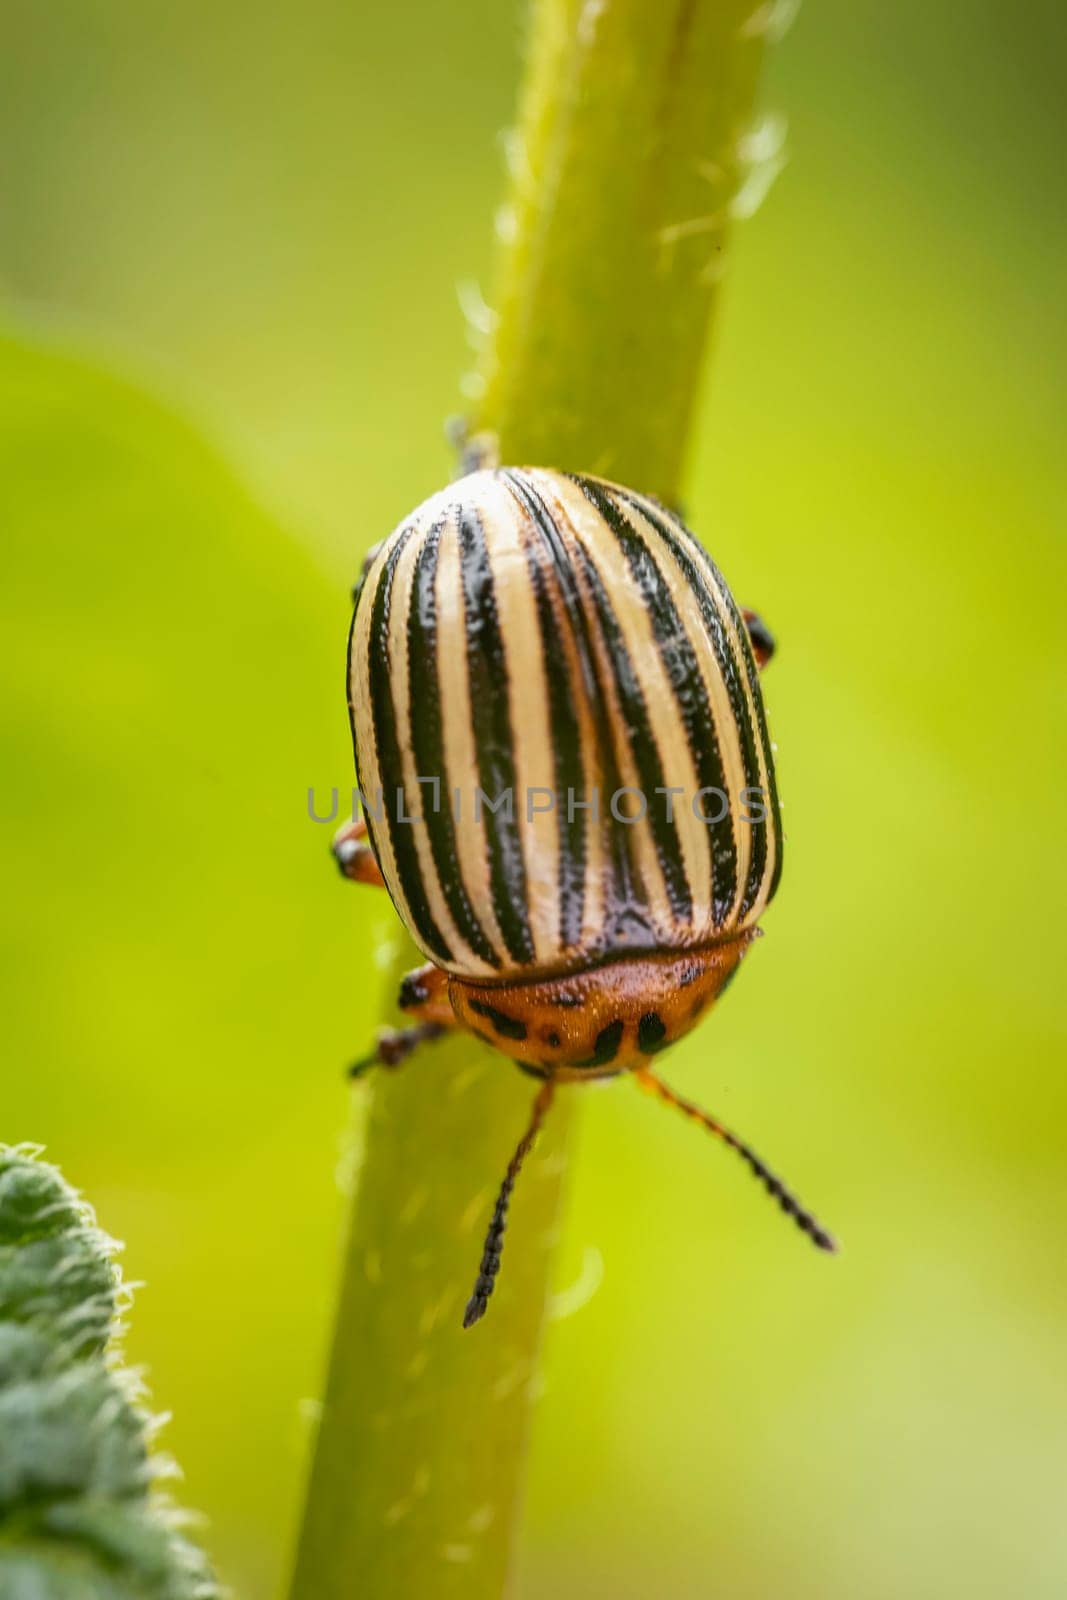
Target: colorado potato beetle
<point>567,784</point>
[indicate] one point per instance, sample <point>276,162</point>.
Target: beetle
<point>547,677</point>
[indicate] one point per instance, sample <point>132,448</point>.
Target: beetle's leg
<point>803,1218</point>
<point>761,637</point>
<point>364,569</point>
<point>424,996</point>
<point>476,451</point>
<point>394,1045</point>
<point>494,1239</point>
<point>354,855</point>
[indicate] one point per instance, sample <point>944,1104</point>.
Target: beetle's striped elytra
<point>534,633</point>
<point>568,782</point>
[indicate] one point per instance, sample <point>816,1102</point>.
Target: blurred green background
<point>263,215</point>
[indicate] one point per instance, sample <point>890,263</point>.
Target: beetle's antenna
<point>804,1220</point>
<point>494,1239</point>
<point>395,1045</point>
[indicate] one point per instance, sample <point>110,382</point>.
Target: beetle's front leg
<point>423,995</point>
<point>760,636</point>
<point>354,855</point>
<point>476,451</point>
<point>368,561</point>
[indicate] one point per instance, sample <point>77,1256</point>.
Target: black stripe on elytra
<point>757,867</point>
<point>693,560</point>
<point>428,747</point>
<point>635,724</point>
<point>401,835</point>
<point>567,753</point>
<point>690,693</point>
<point>625,895</point>
<point>487,670</point>
<point>349,666</point>
<point>775,821</point>
<point>651,1033</point>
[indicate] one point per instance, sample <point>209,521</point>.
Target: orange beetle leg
<point>354,855</point>
<point>424,996</point>
<point>760,636</point>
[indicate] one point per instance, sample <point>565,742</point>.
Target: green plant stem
<point>623,169</point>
<point>634,118</point>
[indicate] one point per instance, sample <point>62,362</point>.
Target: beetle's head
<point>606,1019</point>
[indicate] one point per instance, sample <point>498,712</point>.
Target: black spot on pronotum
<point>605,1047</point>
<point>507,1027</point>
<point>552,1039</point>
<point>651,1033</point>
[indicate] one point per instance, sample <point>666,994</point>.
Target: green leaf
<point>79,1514</point>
